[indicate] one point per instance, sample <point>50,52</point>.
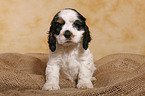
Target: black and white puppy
<point>69,37</point>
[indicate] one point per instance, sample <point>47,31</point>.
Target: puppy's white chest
<point>70,67</point>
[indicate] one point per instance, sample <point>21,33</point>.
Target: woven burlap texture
<point>117,74</point>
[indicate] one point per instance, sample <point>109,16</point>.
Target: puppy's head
<point>68,27</point>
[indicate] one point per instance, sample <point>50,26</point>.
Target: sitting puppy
<point>69,37</point>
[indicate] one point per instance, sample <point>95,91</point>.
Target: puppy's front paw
<point>50,87</point>
<point>84,85</point>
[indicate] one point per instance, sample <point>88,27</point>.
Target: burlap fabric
<point>117,74</point>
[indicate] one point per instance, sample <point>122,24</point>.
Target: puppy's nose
<point>67,34</point>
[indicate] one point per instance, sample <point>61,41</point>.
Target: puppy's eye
<point>79,25</point>
<point>57,27</point>
<point>57,24</point>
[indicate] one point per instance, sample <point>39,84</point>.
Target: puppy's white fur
<point>70,59</point>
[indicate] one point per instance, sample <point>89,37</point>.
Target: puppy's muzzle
<point>67,34</point>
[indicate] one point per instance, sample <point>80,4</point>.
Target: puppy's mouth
<point>68,41</point>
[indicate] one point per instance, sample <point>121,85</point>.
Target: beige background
<point>117,26</point>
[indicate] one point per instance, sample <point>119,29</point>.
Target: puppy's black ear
<point>52,41</point>
<point>52,31</point>
<point>86,37</point>
<point>52,38</point>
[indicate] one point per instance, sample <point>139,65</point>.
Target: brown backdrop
<point>117,26</point>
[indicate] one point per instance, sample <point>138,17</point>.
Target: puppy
<point>69,37</point>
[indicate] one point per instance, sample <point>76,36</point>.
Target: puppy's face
<point>68,27</point>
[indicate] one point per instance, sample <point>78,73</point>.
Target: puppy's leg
<point>84,78</point>
<point>86,71</point>
<point>52,77</point>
